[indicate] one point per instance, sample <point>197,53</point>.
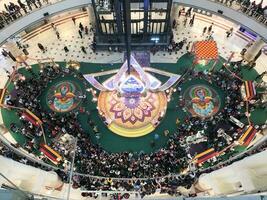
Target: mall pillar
<point>174,11</point>
<point>27,177</point>
<point>91,15</point>
<point>254,49</point>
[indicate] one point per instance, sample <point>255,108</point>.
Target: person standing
<point>229,32</point>
<point>54,26</point>
<point>29,4</point>
<point>86,30</point>
<point>179,13</point>
<point>4,53</point>
<point>39,3</point>
<point>191,22</point>
<point>81,26</point>
<point>66,49</point>
<point>18,44</point>
<point>188,12</point>
<point>6,7</point>
<point>210,28</point>
<point>41,47</point>
<point>58,35</point>
<point>252,65</point>
<point>24,50</point>
<point>174,24</point>
<point>204,30</point>
<point>80,33</point>
<point>257,55</point>
<point>74,20</point>
<point>185,21</point>
<point>260,76</point>
<point>83,49</point>
<point>12,56</point>
<point>34,3</point>
<point>23,6</point>
<point>188,47</point>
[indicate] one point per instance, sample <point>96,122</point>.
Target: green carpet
<point>112,142</point>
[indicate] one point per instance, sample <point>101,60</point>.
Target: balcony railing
<point>39,14</point>
<point>259,14</point>
<point>33,159</point>
<point>14,11</point>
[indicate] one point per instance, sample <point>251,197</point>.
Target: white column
<point>27,177</point>
<point>174,11</point>
<point>91,15</point>
<point>251,173</point>
<point>254,49</point>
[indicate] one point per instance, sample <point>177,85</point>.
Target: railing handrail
<point>178,1</point>
<point>15,186</point>
<point>38,16</point>
<point>239,10</point>
<point>30,12</point>
<point>211,8</point>
<point>33,159</point>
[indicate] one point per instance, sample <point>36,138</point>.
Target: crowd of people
<point>249,7</point>
<point>156,169</point>
<point>90,158</point>
<point>15,10</point>
<point>143,173</point>
<point>168,184</point>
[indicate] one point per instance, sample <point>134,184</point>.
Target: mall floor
<point>70,38</point>
<point>106,138</point>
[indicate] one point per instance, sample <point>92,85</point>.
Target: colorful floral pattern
<point>133,108</point>
<point>201,101</point>
<point>63,96</point>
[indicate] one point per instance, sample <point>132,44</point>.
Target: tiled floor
<point>70,38</point>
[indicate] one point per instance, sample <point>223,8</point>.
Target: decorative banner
<point>51,154</point>
<point>29,116</point>
<point>2,95</point>
<point>247,136</point>
<point>206,155</point>
<point>250,90</point>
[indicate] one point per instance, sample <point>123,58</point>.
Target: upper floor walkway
<point>234,12</point>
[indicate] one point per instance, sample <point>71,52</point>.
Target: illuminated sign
<point>131,85</point>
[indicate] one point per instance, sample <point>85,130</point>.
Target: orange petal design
<point>138,113</point>
<point>127,113</point>
<point>118,107</point>
<point>145,105</point>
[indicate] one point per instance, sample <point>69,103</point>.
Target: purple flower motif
<point>132,109</point>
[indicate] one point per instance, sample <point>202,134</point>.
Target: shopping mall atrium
<point>133,99</point>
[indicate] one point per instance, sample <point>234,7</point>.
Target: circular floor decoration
<point>132,116</point>
<point>201,101</point>
<point>64,96</point>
